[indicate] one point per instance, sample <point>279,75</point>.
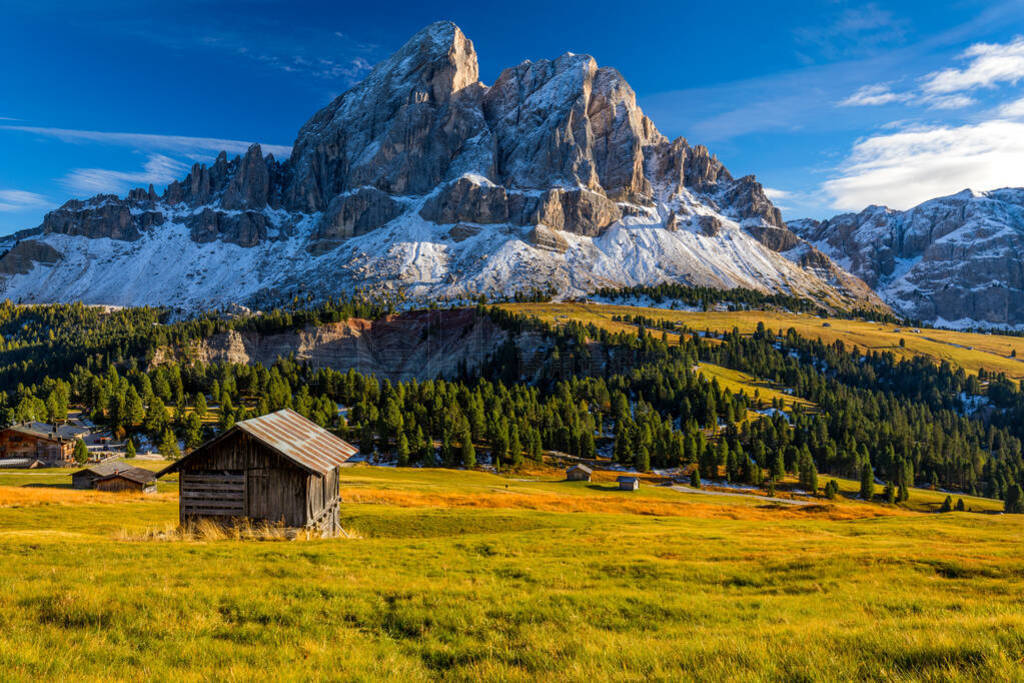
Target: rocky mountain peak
<point>422,178</point>
<point>954,259</point>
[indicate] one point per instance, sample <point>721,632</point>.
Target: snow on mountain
<point>424,180</point>
<point>953,260</point>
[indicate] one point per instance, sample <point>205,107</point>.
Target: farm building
<point>278,468</point>
<point>51,445</point>
<point>131,479</point>
<point>578,473</point>
<point>628,483</point>
<point>84,479</point>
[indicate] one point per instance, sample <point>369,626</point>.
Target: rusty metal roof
<point>304,442</point>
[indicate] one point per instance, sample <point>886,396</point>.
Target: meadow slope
<point>617,586</point>
<point>971,351</point>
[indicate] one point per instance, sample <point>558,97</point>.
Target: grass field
<point>967,350</point>
<point>540,579</point>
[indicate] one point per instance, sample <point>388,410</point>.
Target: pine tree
<point>1014,501</point>
<point>515,446</point>
<point>193,431</point>
<point>867,482</point>
<point>169,446</point>
<point>778,466</point>
<point>947,505</point>
<point>831,489</point>
<point>129,448</point>
<point>695,477</point>
<point>134,411</point>
<point>81,452</point>
<point>960,505</point>
<point>467,452</point>
<point>643,459</point>
<point>226,418</point>
<point>403,451</point>
<point>890,493</point>
<point>200,405</point>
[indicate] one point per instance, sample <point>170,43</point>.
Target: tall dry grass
<point>235,529</point>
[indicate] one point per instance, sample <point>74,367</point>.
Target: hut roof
<point>139,475</point>
<point>104,469</point>
<point>582,468</point>
<point>297,439</point>
<point>627,480</point>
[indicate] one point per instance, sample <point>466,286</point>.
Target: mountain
<point>954,260</point>
<point>423,179</point>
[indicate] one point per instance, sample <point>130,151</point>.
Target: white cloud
<point>774,194</point>
<point>874,95</point>
<point>903,169</point>
<point>148,141</point>
<point>991,64</point>
<point>1013,110</point>
<point>158,170</point>
<point>949,101</point>
<point>19,200</point>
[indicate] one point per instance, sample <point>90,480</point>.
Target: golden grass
<point>22,496</point>
<point>988,351</point>
<point>736,382</point>
<point>439,590</point>
<point>626,502</point>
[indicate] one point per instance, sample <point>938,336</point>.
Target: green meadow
<point>468,575</point>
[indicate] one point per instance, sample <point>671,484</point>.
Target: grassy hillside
<point>443,579</point>
<point>967,350</point>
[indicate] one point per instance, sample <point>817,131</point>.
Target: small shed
<point>628,483</point>
<point>86,478</point>
<point>578,473</point>
<point>276,468</point>
<point>136,479</point>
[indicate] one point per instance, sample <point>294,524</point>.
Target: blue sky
<point>833,105</point>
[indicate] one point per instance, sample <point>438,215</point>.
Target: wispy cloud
<point>874,95</point>
<point>20,200</point>
<point>854,32</point>
<point>1012,110</point>
<point>990,64</point>
<point>148,141</point>
<point>906,168</point>
<point>158,170</point>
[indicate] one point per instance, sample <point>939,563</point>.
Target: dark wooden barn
<point>279,468</point>
<point>86,478</point>
<point>136,479</point>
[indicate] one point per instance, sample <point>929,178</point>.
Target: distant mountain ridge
<point>956,260</point>
<point>424,180</point>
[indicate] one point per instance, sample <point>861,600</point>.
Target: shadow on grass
<point>37,485</point>
<point>599,487</point>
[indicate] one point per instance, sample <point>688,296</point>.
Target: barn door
<point>213,494</point>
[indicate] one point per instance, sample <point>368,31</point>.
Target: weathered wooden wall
<point>119,484</point>
<point>240,477</point>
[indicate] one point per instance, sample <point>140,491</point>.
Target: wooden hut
<point>628,483</point>
<point>578,473</point>
<point>136,479</point>
<point>278,468</point>
<point>86,478</point>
